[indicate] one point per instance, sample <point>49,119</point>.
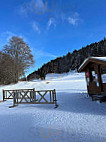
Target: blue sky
<point>52,28</point>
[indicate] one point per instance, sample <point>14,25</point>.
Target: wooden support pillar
<point>13,99</point>
<point>50,96</point>
<point>17,96</point>
<point>53,95</point>
<point>56,105</point>
<point>34,95</point>
<point>30,96</point>
<point>3,95</point>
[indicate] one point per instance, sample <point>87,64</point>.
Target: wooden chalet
<point>95,73</point>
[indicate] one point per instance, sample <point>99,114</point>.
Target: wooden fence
<point>9,94</point>
<point>30,96</point>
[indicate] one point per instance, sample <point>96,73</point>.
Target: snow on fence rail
<point>30,96</point>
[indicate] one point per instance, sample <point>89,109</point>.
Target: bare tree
<point>6,70</point>
<point>21,54</point>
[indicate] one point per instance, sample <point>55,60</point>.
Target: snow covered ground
<point>77,119</point>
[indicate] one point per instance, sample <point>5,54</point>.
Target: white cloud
<point>51,22</point>
<point>74,19</point>
<point>35,27</point>
<point>40,9</point>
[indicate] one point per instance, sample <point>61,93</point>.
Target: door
<point>94,86</point>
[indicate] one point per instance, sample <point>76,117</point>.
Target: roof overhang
<point>96,60</point>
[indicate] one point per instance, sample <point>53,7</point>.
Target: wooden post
<point>33,95</point>
<point>56,105</point>
<point>17,96</point>
<point>50,96</point>
<point>53,95</point>
<point>3,95</point>
<point>30,96</point>
<point>13,99</point>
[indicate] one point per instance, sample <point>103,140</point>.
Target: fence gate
<point>30,96</point>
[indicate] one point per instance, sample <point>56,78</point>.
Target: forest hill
<point>71,61</point>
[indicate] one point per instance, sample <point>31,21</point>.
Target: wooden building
<point>95,73</point>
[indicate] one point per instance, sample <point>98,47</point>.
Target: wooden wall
<point>93,78</point>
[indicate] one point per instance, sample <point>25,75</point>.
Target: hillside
<point>71,61</point>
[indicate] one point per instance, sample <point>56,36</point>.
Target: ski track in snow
<point>77,119</point>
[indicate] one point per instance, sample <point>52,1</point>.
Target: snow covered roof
<point>99,60</point>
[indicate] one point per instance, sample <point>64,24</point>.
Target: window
<point>103,70</point>
<point>92,75</point>
<point>103,74</point>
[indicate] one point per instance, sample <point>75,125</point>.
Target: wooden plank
<point>19,90</point>
<point>30,93</point>
<point>23,97</point>
<point>3,95</point>
<point>34,96</point>
<point>14,99</point>
<point>13,106</point>
<point>37,103</point>
<point>17,96</point>
<point>42,97</point>
<point>53,95</point>
<point>6,94</point>
<point>2,101</point>
<point>11,94</point>
<point>43,90</point>
<point>28,97</point>
<point>8,99</point>
<point>50,96</point>
<point>27,93</point>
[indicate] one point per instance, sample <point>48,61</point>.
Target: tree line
<point>71,61</point>
<point>15,59</point>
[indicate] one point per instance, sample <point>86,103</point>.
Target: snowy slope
<point>77,119</point>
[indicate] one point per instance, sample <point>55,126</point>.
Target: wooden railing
<point>9,94</point>
<point>30,96</point>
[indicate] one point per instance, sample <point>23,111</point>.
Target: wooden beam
<point>3,94</point>
<point>13,106</point>
<point>11,93</point>
<point>23,97</point>
<point>42,96</point>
